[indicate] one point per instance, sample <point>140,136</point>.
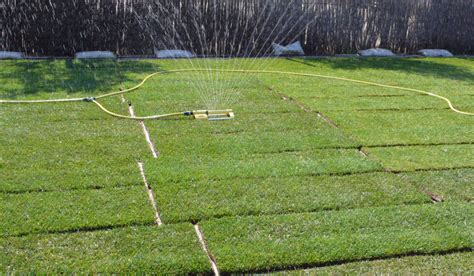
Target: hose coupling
<point>89,99</point>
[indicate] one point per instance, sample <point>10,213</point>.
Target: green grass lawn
<point>278,189</point>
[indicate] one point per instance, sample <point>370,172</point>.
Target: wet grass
<point>276,188</point>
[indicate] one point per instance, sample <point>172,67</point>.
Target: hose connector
<point>89,99</point>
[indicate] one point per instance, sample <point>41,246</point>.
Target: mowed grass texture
<point>419,264</point>
<point>265,243</point>
<point>171,249</point>
<point>311,172</point>
<point>74,210</point>
<point>88,148</point>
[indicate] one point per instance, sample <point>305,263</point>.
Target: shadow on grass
<point>70,76</point>
<point>419,66</point>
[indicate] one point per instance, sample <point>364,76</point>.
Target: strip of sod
<point>402,102</point>
<point>169,168</point>
<point>67,146</point>
<point>303,88</point>
<point>457,263</point>
<point>405,127</point>
<point>425,157</point>
<point>170,249</point>
<point>280,242</point>
<point>446,77</point>
<point>451,185</point>
<point>68,211</point>
<point>275,195</point>
<point>247,143</point>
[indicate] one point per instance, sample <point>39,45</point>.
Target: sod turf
<point>205,167</point>
<point>279,242</point>
<point>258,111</point>
<point>273,159</point>
<point>454,263</point>
<point>248,143</point>
<point>449,184</point>
<point>75,210</point>
<point>258,129</point>
<point>425,157</point>
<point>276,195</point>
<point>171,249</point>
<point>67,146</point>
<point>405,127</point>
<point>389,103</point>
<point>446,77</point>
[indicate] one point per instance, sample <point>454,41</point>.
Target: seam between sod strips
<point>205,248</point>
<point>306,109</point>
<point>151,196</point>
<point>150,143</point>
<point>434,198</point>
<point>149,190</point>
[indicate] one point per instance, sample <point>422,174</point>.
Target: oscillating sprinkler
<point>208,115</point>
<point>211,115</point>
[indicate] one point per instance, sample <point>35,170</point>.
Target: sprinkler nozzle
<point>211,115</point>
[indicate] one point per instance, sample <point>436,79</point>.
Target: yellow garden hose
<point>155,117</point>
<point>94,100</point>
<point>42,101</point>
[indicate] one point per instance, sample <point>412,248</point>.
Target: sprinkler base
<point>212,115</point>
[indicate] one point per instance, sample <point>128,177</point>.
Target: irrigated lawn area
<point>312,174</point>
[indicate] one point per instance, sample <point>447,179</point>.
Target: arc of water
<point>252,62</point>
<point>247,53</point>
<point>225,85</point>
<point>171,35</point>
